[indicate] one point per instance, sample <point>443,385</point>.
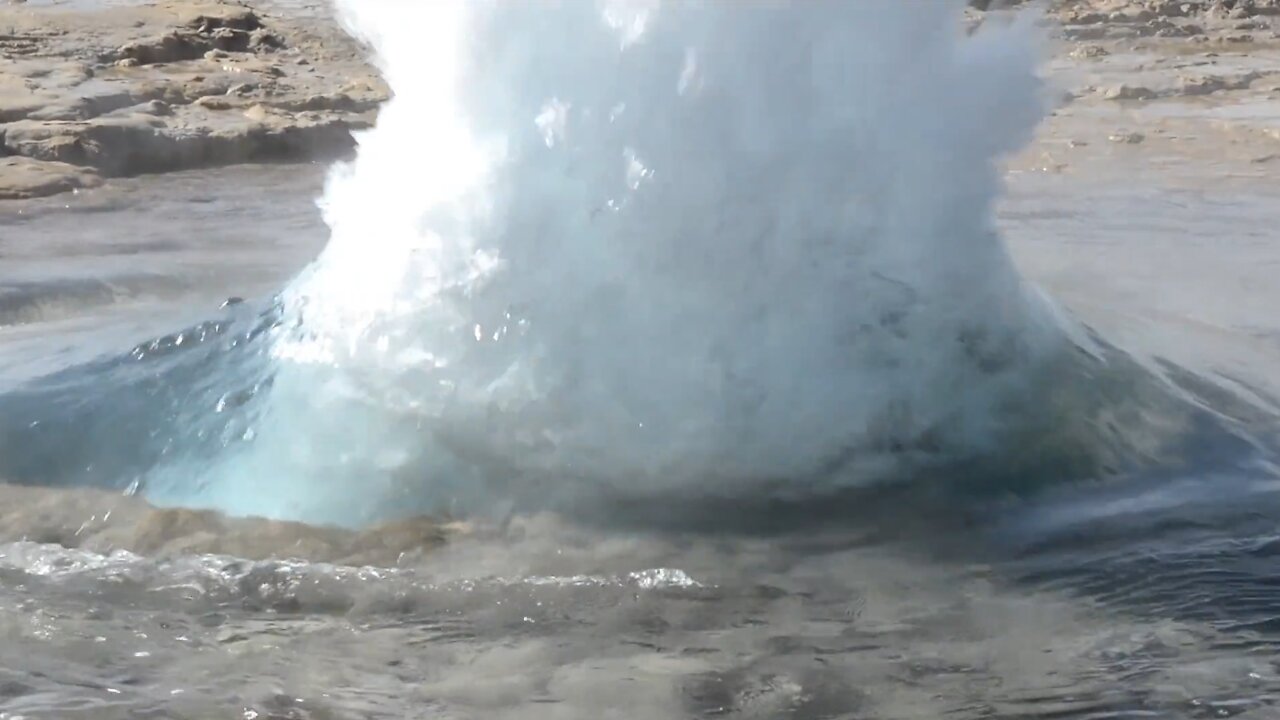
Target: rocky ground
<point>1174,81</point>
<point>96,90</point>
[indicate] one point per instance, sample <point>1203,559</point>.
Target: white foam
<point>659,246</point>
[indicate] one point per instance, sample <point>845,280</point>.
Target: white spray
<point>659,247</point>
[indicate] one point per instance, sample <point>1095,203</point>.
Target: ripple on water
<point>538,618</point>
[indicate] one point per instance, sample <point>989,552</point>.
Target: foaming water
<point>544,620</point>
<point>643,254</point>
<point>649,248</point>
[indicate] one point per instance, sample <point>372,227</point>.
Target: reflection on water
<point>91,274</point>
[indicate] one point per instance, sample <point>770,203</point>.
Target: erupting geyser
<point>646,249</point>
<point>731,247</point>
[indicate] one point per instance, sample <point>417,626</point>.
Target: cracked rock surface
<point>108,89</point>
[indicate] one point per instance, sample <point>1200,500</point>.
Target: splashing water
<point>641,250</point>
<point>657,245</point>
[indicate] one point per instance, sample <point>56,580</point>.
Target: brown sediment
<point>103,522</point>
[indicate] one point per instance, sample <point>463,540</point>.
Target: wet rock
<point>89,106</point>
<point>1097,32</point>
<point>1165,29</point>
<point>1137,16</point>
<point>257,113</point>
<point>135,144</point>
<point>1171,9</point>
<point>229,40</point>
<point>1202,85</point>
<point>156,107</point>
<point>172,47</point>
<point>328,101</point>
<point>1208,84</point>
<point>1089,51</point>
<point>1086,18</point>
<point>262,39</point>
<point>22,178</point>
<point>126,89</point>
<point>1128,92</point>
<point>208,18</point>
<point>101,144</point>
<point>1127,138</point>
<point>19,102</point>
<point>224,28</point>
<point>211,102</point>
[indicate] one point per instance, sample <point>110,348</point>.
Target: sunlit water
<point>1126,572</point>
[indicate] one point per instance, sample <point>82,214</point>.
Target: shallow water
<point>90,274</point>
<point>1150,594</point>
